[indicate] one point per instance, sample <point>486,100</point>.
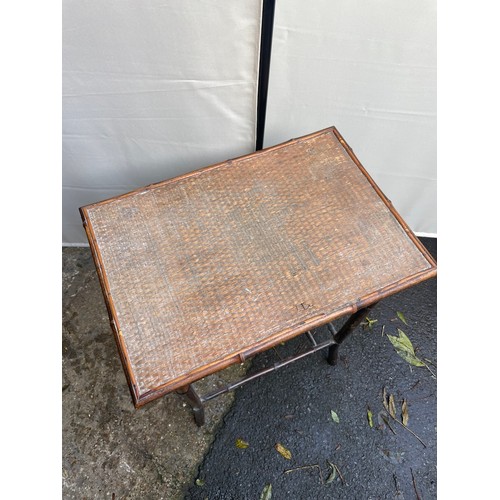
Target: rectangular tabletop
<point>203,270</point>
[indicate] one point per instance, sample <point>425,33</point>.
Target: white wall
<point>154,89</point>
<point>369,68</point>
<point>151,90</point>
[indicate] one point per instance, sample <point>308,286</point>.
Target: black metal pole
<point>266,40</point>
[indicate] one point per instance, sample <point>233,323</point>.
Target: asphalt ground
<point>293,407</point>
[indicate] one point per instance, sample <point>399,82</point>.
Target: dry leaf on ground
<point>385,399</point>
<point>285,453</point>
<point>266,492</point>
<point>368,323</point>
<point>240,443</point>
<point>401,316</point>
<point>404,413</point>
<point>332,475</point>
<point>392,406</point>
<point>369,416</point>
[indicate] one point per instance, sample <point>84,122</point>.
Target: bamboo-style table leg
<point>353,321</point>
<point>195,402</point>
<point>197,405</point>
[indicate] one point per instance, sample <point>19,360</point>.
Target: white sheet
<point>152,90</point>
<point>369,68</point>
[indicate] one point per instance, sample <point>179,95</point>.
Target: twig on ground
<point>386,421</point>
<point>313,466</point>
<point>427,366</point>
<point>408,429</point>
<point>396,483</point>
<point>339,473</point>
<point>414,485</point>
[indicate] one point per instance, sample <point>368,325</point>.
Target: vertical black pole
<point>266,40</point>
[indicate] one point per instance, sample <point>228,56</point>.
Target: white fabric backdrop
<point>369,68</point>
<point>154,89</point>
<point>151,90</point>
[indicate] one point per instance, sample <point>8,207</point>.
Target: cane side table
<point>209,268</point>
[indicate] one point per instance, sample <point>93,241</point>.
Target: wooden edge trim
<point>384,198</point>
<point>113,317</point>
<point>284,335</point>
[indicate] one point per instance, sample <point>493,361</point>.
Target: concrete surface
<point>110,449</point>
<point>293,406</point>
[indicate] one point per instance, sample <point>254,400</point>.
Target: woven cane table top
<point>204,270</point>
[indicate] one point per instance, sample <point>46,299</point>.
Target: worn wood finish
<point>207,269</point>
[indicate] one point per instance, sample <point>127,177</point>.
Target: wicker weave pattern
<point>212,263</point>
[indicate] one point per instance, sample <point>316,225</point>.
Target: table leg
<point>333,354</point>
<point>350,325</point>
<point>195,402</point>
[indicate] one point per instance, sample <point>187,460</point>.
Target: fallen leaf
<point>199,482</point>
<point>404,348</point>
<point>405,341</point>
<point>412,359</point>
<point>266,492</point>
<point>335,417</point>
<point>405,417</point>
<point>369,415</point>
<point>241,444</point>
<point>339,473</point>
<point>385,399</point>
<point>332,475</point>
<point>283,451</point>
<point>401,316</point>
<point>369,323</point>
<point>385,418</point>
<point>392,406</point>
